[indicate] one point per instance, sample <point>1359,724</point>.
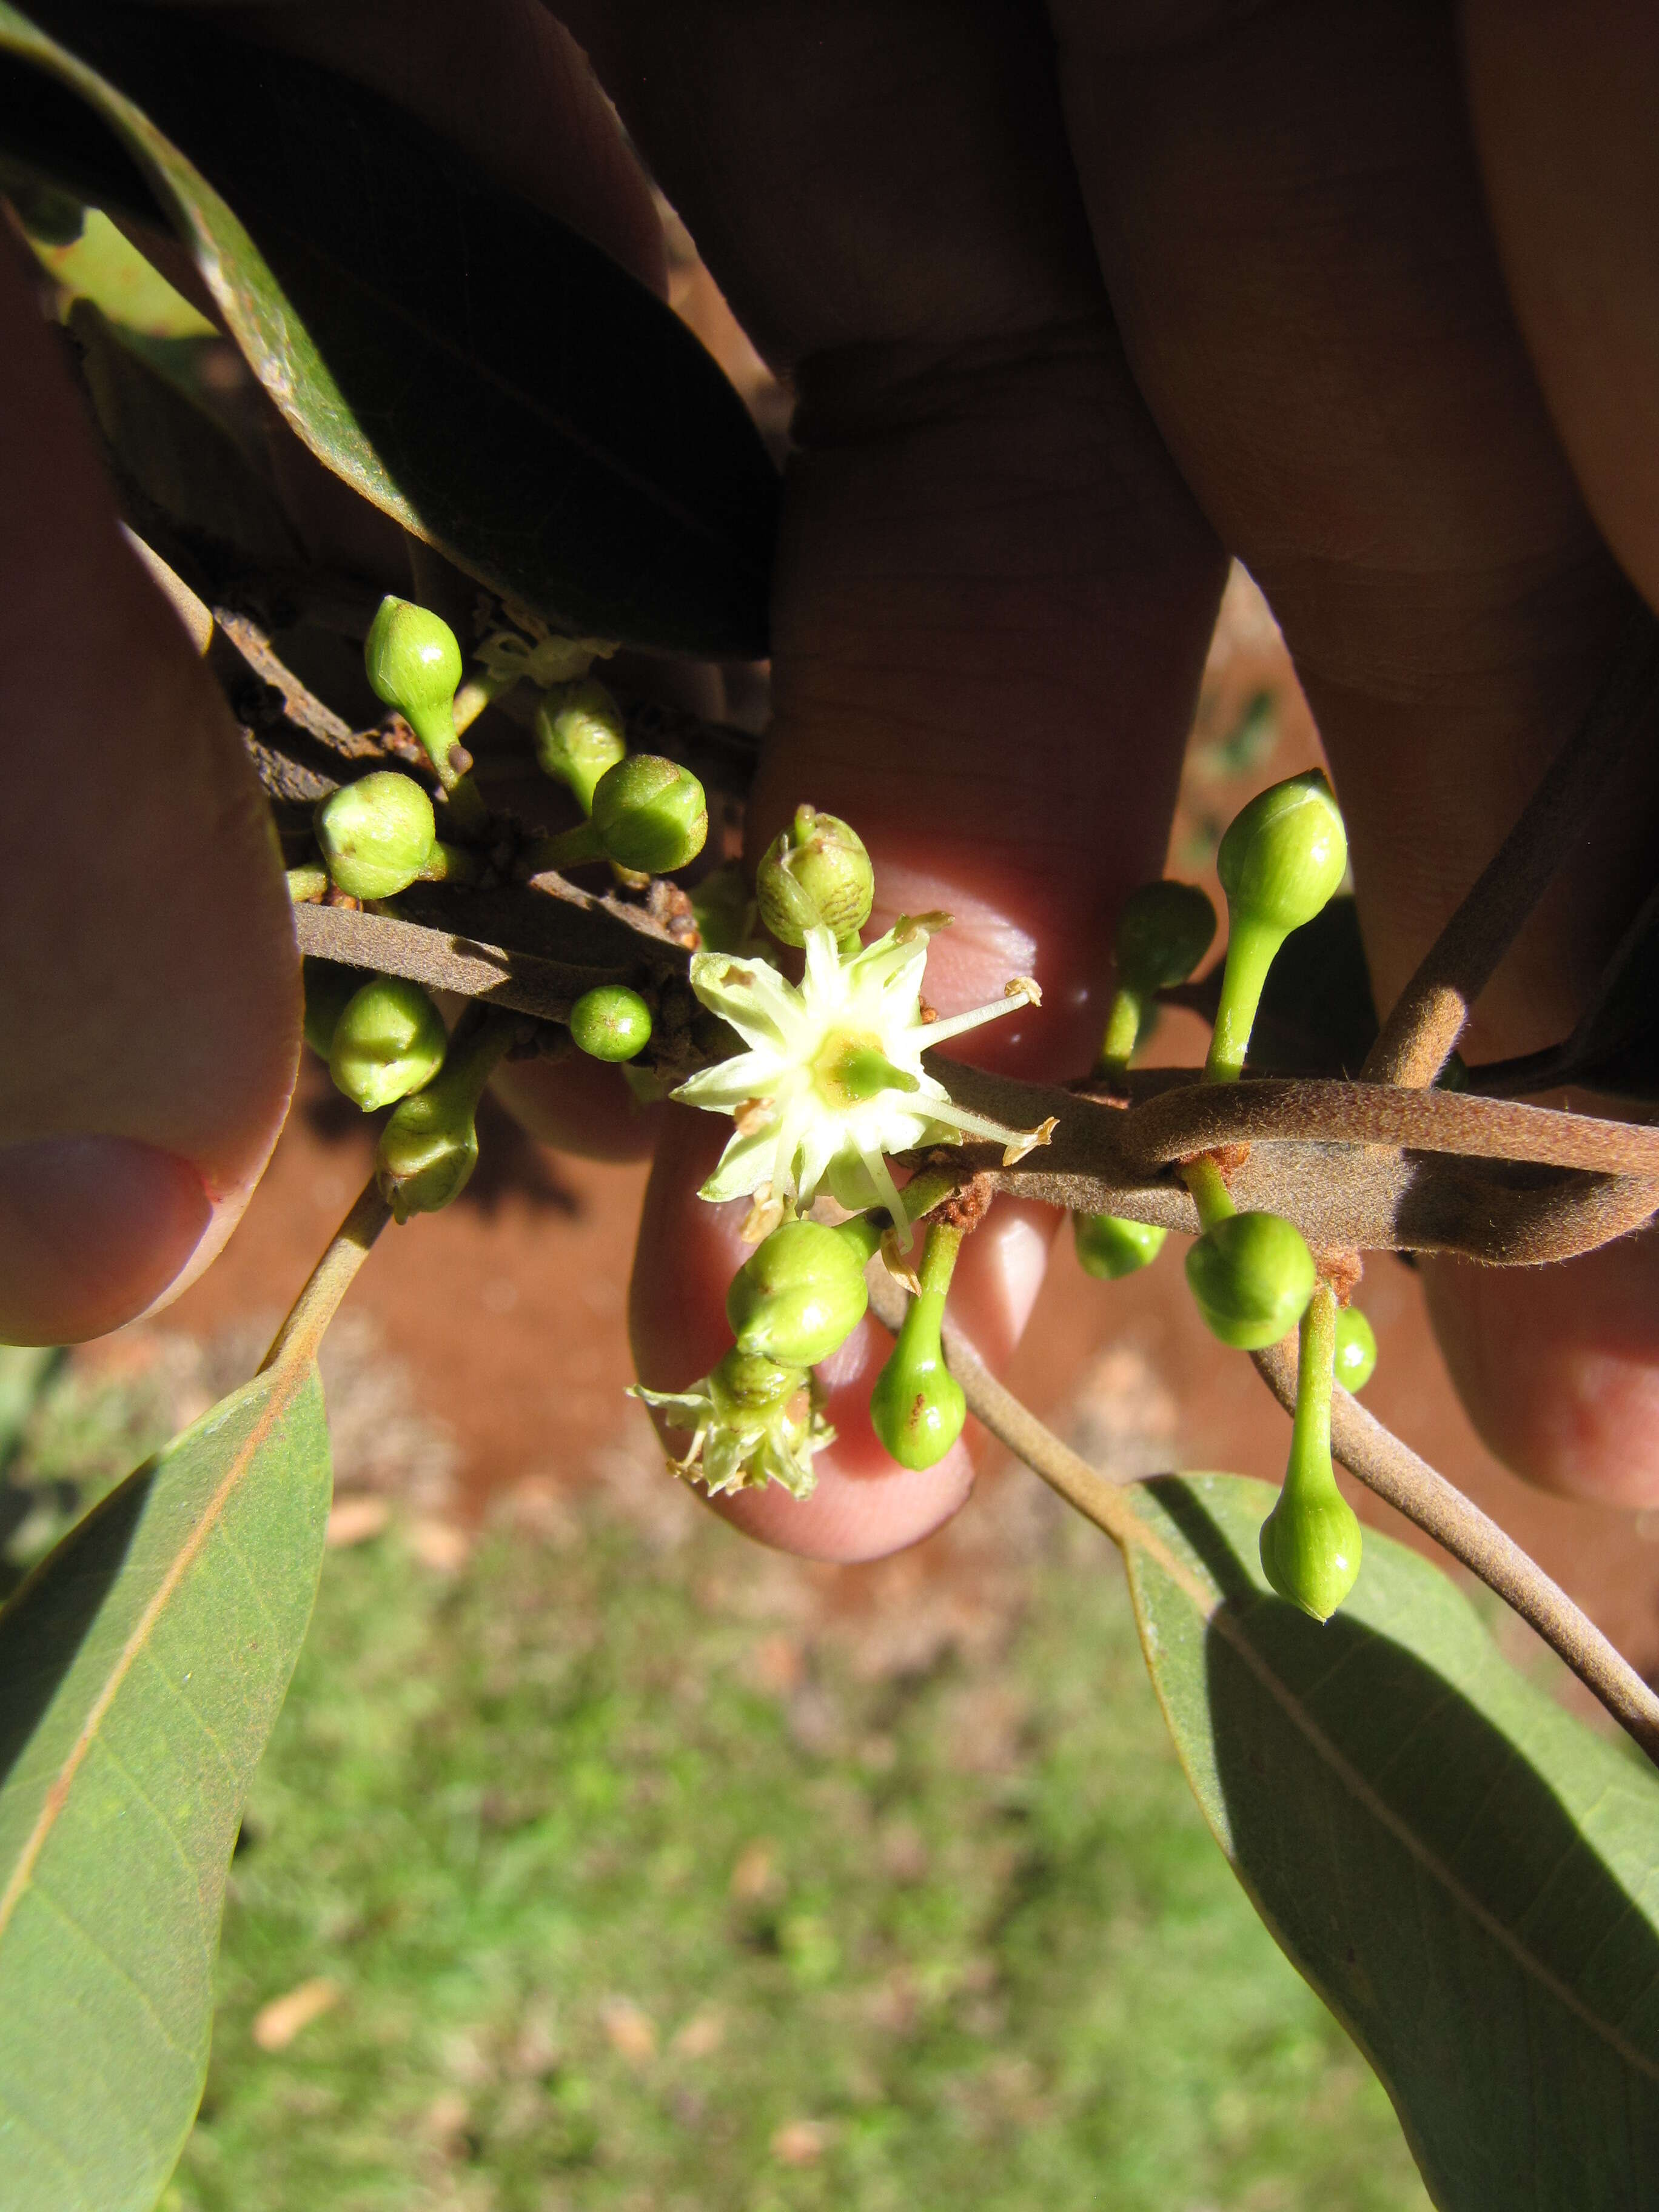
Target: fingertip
<point>1558,1366</point>
<point>579,1105</point>
<point>95,1230</point>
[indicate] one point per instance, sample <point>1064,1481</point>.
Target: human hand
<point>997,585</point>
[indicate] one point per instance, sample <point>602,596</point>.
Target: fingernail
<point>91,1230</point>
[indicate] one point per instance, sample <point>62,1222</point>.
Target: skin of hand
<point>1362,293</point>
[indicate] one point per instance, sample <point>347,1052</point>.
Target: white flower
<point>745,1432</point>
<point>832,1081</point>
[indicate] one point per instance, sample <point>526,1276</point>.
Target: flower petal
<point>729,1083</point>
<point>750,994</point>
<point>743,1167</point>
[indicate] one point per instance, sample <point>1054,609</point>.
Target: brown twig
<point>1431,1012</point>
<point>1203,1116</point>
<point>312,1312</point>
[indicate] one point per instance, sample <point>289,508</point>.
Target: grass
<point>627,1898</point>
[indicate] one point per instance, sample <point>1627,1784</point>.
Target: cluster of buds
<point>831,1082</point>
<point>1251,1274</point>
<point>383,1037</point>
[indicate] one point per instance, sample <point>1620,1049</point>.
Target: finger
<point>1291,222</point>
<point>150,995</point>
<point>1563,94</point>
<point>578,1105</point>
<point>1563,101</point>
<point>993,596</point>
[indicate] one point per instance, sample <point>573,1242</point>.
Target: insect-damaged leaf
<point>141,1666</point>
<point>484,373</point>
<point>1468,1876</point>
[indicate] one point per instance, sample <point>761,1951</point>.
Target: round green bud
<point>329,989</point>
<point>1284,856</point>
<point>1109,1248</point>
<point>579,735</point>
<point>799,1295</point>
<point>747,1383</point>
<point>1163,933</point>
<point>389,1041</point>
<point>427,1153</point>
<point>816,874</point>
<point>1251,1275</point>
<point>917,1408</point>
<point>376,834</point>
<point>412,661</point>
<point>1356,1349</point>
<point>611,1022</point>
<point>1310,1547</point>
<point>650,815</point>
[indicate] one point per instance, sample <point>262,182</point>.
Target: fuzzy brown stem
<point>298,1338</point>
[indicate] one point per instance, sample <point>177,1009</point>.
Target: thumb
<point>150,996</point>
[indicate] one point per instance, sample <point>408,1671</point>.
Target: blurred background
<point>601,1859</point>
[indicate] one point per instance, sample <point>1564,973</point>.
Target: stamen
<point>1019,996</point>
<point>981,1124</point>
<point>881,1176</point>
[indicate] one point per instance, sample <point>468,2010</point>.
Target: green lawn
<point>609,1923</point>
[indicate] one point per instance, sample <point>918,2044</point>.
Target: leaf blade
<point>476,368</point>
<point>1468,1877</point>
<point>141,1666</point>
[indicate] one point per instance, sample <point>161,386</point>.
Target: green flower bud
<point>816,875</point>
<point>329,989</point>
<point>1310,1550</point>
<point>388,1042</point>
<point>429,1146</point>
<point>376,834</point>
<point>1252,1276</point>
<point>579,735</point>
<point>1356,1349</point>
<point>414,663</point>
<point>1110,1248</point>
<point>1281,860</point>
<point>650,815</point>
<point>1163,933</point>
<point>802,1293</point>
<point>611,1022</point>
<point>917,1408</point>
<point>1311,1541</point>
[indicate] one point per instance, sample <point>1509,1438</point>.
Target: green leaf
<point>141,1666</point>
<point>173,454</point>
<point>1467,1876</point>
<point>479,371</point>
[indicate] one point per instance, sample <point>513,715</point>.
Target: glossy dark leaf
<point>474,367</point>
<point>141,1666</point>
<point>1469,1877</point>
